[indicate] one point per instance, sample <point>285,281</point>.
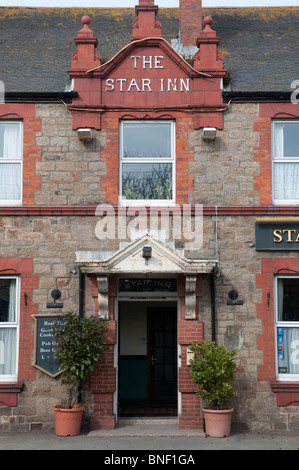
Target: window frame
<point>282,324</point>
<point>277,160</point>
<point>171,160</point>
<point>19,161</point>
<point>13,325</point>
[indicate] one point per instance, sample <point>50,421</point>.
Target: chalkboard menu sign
<point>45,344</point>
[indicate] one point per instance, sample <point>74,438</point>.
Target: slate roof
<point>260,46</point>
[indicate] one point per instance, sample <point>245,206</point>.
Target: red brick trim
<point>25,112</point>
<point>189,331</point>
<point>265,310</point>
<point>184,153</point>
<point>103,379</point>
<point>263,153</point>
<point>23,267</point>
<point>9,394</point>
<point>287,393</point>
<point>50,210</point>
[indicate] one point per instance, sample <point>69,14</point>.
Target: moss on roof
<point>260,45</point>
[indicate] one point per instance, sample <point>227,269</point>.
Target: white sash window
<point>10,162</point>
<point>9,321</point>
<point>287,327</point>
<point>147,162</point>
<point>285,153</point>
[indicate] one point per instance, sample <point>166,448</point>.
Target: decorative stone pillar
<point>103,297</point>
<point>190,298</point>
<point>208,58</point>
<point>146,23</point>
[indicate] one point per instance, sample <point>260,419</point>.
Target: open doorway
<point>148,354</point>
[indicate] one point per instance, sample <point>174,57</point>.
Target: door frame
<point>152,302</point>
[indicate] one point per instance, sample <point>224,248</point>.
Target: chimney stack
<point>190,21</point>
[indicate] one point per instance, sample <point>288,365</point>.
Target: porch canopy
<point>156,259</point>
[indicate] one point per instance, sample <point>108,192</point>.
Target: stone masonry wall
<point>224,169</point>
<point>71,173</point>
<point>51,243</point>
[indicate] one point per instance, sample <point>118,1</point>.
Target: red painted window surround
<point>287,393</point>
<point>263,153</point>
<point>22,267</point>
<point>25,112</point>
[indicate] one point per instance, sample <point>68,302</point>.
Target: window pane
<point>10,182</point>
<point>286,181</point>
<point>147,181</point>
<point>10,141</point>
<point>147,140</point>
<point>8,356</point>
<point>7,300</point>
<point>288,299</point>
<point>288,350</point>
<point>291,140</point>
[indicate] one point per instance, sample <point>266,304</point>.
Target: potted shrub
<point>212,369</point>
<point>80,346</point>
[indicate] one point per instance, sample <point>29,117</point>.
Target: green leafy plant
<point>81,344</point>
<point>212,369</point>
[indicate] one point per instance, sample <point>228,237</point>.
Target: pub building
<point>150,176</point>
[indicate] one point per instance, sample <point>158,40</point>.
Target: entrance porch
<point>146,370</point>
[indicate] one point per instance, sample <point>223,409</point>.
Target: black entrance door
<point>162,356</point>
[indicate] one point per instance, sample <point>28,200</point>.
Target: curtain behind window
<point>10,171</point>
<point>8,328</point>
<point>11,142</point>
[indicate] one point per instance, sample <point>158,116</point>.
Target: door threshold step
<point>147,420</point>
<point>147,427</point>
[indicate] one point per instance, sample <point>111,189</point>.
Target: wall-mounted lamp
<point>147,252</point>
<point>56,294</point>
<point>73,271</point>
<point>233,295</point>
<point>84,135</point>
<point>209,133</point>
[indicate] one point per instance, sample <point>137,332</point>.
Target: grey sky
<point>132,3</point>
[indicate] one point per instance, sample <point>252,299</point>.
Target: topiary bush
<point>212,369</point>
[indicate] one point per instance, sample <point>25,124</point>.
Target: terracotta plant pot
<point>218,422</point>
<point>68,421</point>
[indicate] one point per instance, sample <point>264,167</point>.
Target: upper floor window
<point>285,152</point>
<point>287,327</point>
<point>10,162</point>
<point>9,318</point>
<point>147,162</point>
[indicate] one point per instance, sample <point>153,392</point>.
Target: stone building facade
<point>75,227</point>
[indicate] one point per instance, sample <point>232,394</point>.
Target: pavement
<point>144,439</point>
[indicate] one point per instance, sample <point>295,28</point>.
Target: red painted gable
<point>147,74</point>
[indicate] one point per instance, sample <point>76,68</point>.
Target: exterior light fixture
<point>56,294</point>
<point>84,135</point>
<point>147,252</point>
<point>233,295</point>
<point>209,133</point>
